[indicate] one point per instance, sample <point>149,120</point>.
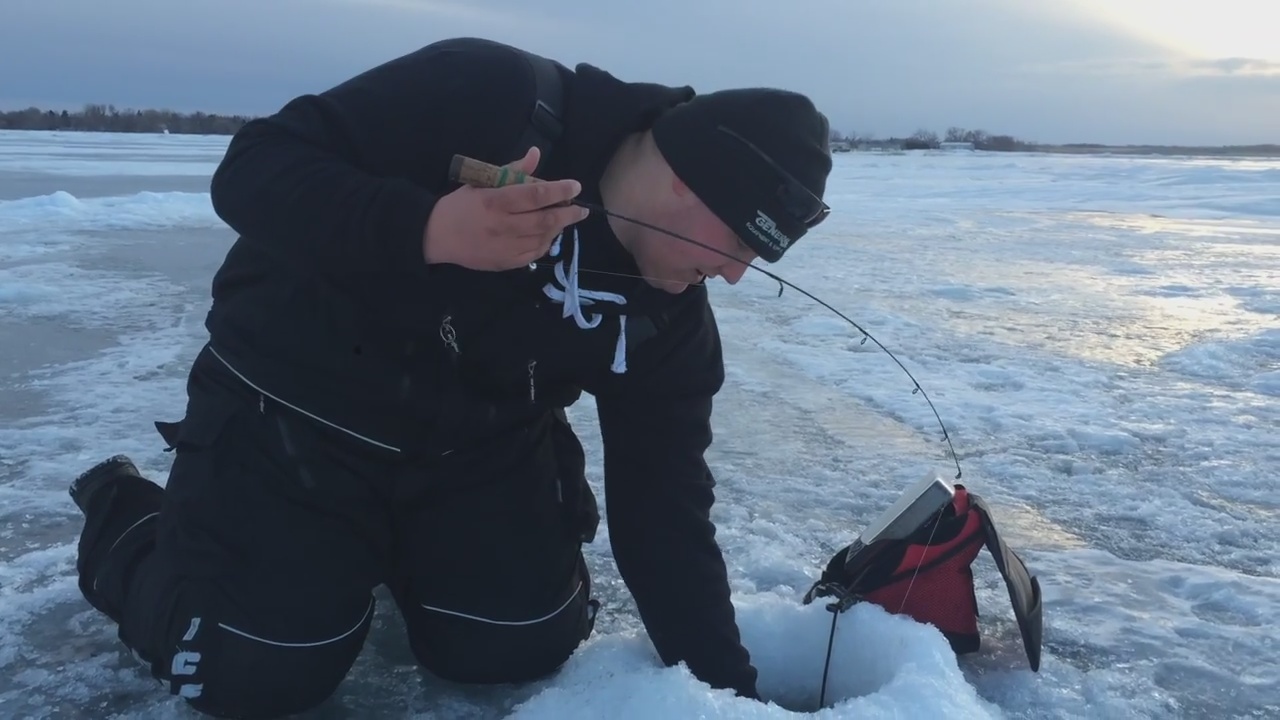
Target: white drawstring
<point>574,298</point>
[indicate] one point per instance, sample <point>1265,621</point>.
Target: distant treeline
<point>107,118</point>
<point>930,140</point>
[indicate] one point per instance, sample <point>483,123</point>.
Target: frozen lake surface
<point>1101,336</point>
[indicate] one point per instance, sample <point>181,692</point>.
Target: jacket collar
<point>600,111</point>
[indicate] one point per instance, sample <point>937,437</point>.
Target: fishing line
<point>611,273</point>
<point>477,173</point>
<point>946,435</point>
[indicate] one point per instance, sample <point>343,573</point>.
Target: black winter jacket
<point>325,301</point>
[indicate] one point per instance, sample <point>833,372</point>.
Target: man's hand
<point>503,228</point>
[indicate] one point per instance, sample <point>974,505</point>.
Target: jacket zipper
<point>533,389</point>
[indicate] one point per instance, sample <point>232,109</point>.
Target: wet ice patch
<point>27,294</point>
<point>1267,383</point>
<point>965,293</point>
<point>829,325</point>
<point>1175,290</point>
<point>997,379</point>
<point>29,586</point>
<point>1261,300</point>
<point>82,297</point>
<point>1102,442</point>
<point>18,247</point>
<point>1131,269</point>
<point>1252,361</point>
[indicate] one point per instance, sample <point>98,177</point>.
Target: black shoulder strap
<point>546,122</point>
<point>545,128</point>
<point>643,327</point>
<point>1024,588</point>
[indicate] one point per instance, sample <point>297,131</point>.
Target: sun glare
<point>1200,28</point>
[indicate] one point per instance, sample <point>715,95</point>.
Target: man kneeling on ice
<point>381,401</point>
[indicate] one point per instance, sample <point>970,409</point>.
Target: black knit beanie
<point>716,144</point>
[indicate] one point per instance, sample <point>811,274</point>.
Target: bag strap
<point>1024,588</point>
<point>546,118</point>
<point>545,129</point>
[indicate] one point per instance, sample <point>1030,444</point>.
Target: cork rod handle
<point>478,173</point>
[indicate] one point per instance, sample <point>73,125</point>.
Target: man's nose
<point>732,272</point>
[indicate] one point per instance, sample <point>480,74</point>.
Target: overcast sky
<point>1114,71</point>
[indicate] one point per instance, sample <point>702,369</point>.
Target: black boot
<point>85,487</point>
<point>120,507</point>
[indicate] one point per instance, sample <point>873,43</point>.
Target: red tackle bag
<point>928,576</point>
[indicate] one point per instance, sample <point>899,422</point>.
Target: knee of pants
<point>522,645</point>
<point>225,672</point>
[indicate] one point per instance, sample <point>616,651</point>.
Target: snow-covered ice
<point>85,154</point>
<point>1100,334</point>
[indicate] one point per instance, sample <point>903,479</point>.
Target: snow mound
<point>141,211</point>
<point>883,666</point>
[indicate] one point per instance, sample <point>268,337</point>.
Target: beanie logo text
<point>767,230</point>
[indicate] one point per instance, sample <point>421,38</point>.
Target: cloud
<point>1170,67</point>
<point>1233,66</point>
<point>490,17</point>
<point>467,11</point>
<point>1036,70</point>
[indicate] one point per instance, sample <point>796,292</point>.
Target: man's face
<point>671,264</point>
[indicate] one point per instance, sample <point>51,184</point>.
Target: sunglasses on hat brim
<point>797,200</point>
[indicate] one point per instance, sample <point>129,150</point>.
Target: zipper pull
<point>533,390</point>
<point>449,335</point>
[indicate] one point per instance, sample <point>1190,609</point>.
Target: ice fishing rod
<point>480,174</point>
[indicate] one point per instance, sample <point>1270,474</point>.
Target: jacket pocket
<point>205,493</point>
<point>200,428</point>
<point>582,512</point>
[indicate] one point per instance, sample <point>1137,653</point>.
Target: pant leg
<point>246,583</point>
<point>490,578</point>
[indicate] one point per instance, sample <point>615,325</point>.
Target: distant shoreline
<point>1268,150</point>
<point>1264,151</point>
<point>110,119</point>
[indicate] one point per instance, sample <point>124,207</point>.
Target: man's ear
<point>683,195</point>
